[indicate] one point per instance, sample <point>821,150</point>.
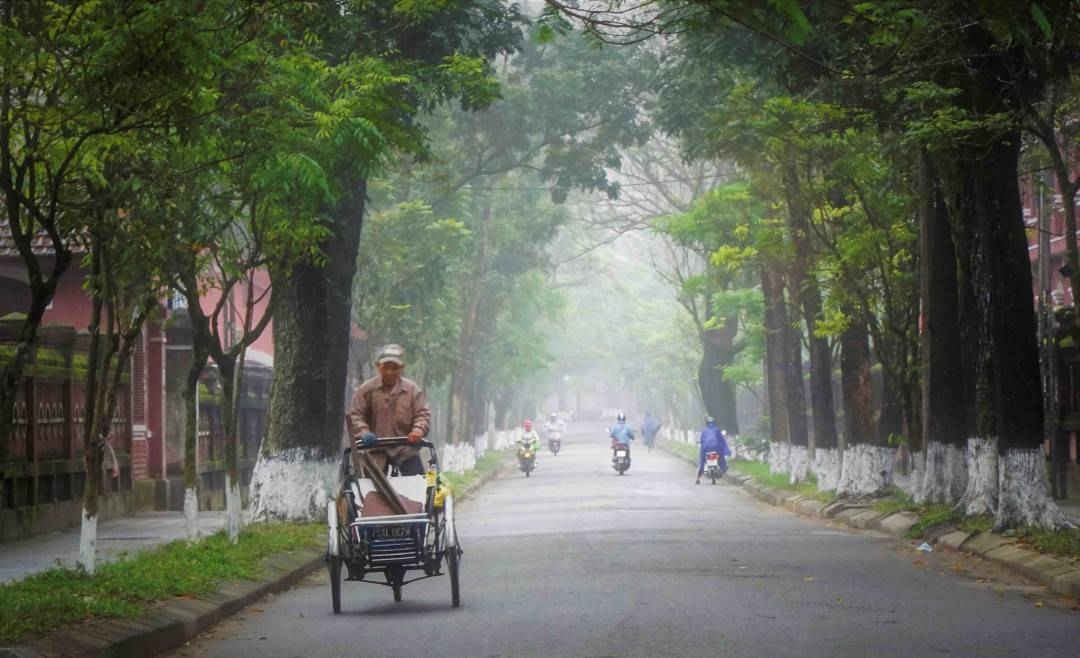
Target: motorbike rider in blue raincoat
<point>622,434</point>
<point>713,439</point>
<point>650,426</point>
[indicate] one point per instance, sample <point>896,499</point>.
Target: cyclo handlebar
<point>393,442</point>
<point>385,442</point>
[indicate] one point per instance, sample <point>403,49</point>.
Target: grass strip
<point>58,597</point>
<point>1064,542</point>
<point>760,472</point>
<point>681,448</point>
<point>489,463</point>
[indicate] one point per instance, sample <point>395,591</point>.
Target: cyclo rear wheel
<point>334,565</point>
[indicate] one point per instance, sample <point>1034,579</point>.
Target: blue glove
<point>367,439</point>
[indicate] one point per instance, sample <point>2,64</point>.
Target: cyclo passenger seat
<point>411,491</point>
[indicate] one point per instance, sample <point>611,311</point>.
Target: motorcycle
<point>713,467</point>
<point>620,460</point>
<point>526,458</point>
<point>554,442</point>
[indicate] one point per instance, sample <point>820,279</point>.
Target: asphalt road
<point>576,561</point>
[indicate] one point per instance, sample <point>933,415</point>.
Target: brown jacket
<point>389,413</point>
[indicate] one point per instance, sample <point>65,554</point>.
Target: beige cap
<point>393,353</point>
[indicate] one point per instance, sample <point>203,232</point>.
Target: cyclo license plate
<point>391,532</point>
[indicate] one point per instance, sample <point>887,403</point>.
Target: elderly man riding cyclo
<point>404,522</point>
<point>387,405</point>
<point>390,405</point>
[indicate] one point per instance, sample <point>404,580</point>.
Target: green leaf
<point>1041,20</point>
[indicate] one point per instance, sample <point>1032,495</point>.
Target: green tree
<point>74,78</point>
<point>357,75</point>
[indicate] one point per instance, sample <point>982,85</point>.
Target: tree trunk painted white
<point>799,460</point>
<point>944,476</point>
<point>981,493</point>
<point>866,470</point>
<point>1023,494</point>
<point>88,543</point>
<point>957,468</point>
<point>910,481</point>
<point>779,462</point>
<point>234,522</point>
<point>826,467</point>
<point>292,486</point>
<point>191,513</point>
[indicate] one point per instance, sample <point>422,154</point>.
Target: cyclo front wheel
<point>453,555</point>
<point>453,565</point>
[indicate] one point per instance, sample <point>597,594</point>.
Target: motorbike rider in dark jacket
<point>713,439</point>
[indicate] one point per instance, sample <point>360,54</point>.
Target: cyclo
<point>411,530</point>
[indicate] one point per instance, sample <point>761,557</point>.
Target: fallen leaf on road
<point>919,562</point>
<point>255,609</point>
<point>808,579</point>
<point>1038,604</point>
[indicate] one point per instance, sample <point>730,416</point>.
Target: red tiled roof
<point>41,244</point>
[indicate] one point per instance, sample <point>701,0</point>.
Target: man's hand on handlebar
<point>415,436</point>
<point>367,440</point>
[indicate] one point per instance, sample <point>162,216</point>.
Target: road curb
<point>1059,575</point>
<point>167,625</point>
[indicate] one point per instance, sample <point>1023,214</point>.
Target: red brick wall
<point>140,453</point>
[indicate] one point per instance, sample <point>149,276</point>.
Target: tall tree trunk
<point>297,468</point>
<point>860,468</point>
<point>199,356</point>
<point>794,392</point>
<point>231,370</point>
<point>717,393</point>
<point>772,288</point>
<point>91,429</point>
<point>1016,388</point>
<point>461,382</point>
<point>855,383</point>
<point>805,289</point>
<point>944,474</point>
<point>462,378</point>
<point>798,429</point>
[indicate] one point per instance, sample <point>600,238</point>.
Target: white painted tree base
<point>799,460</point>
<point>292,486</point>
<point>1024,492</point>
<point>457,458</point>
<point>826,468</point>
<point>908,482</point>
<point>88,542</point>
<point>778,458</point>
<point>866,470</point>
<point>944,477</point>
<point>191,513</point>
<point>234,522</point>
<point>981,492</point>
